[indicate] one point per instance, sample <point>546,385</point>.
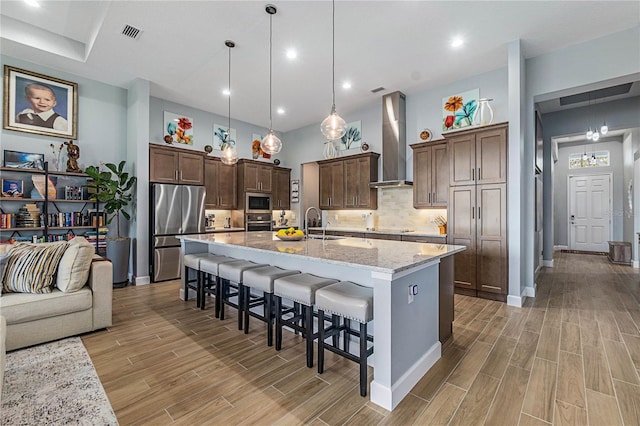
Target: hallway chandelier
<point>594,135</point>
<point>271,144</point>
<point>229,152</point>
<point>333,127</point>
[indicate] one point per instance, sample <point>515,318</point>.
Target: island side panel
<point>406,338</point>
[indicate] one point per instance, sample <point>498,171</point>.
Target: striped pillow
<point>32,268</point>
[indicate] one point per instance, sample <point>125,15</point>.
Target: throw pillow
<point>75,264</point>
<point>3,265</point>
<point>32,268</point>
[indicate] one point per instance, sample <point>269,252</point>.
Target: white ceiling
<point>399,45</point>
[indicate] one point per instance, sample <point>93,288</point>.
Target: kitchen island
<point>406,327</point>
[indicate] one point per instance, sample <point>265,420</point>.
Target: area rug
<point>54,383</point>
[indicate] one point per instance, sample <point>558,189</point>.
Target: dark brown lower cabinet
<point>478,220</point>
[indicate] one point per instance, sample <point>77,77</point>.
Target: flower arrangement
<point>57,152</point>
<point>256,150</point>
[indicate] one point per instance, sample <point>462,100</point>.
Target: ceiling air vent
<point>377,89</point>
<point>131,32</point>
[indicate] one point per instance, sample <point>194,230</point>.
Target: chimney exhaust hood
<point>394,142</point>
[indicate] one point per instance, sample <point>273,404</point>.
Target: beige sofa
<point>37,318</point>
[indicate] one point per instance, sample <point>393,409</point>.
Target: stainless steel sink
<point>326,237</point>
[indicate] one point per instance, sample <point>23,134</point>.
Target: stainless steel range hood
<point>394,142</point>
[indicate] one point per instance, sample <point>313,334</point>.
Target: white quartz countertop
<point>390,231</point>
<point>220,229</point>
<point>375,255</point>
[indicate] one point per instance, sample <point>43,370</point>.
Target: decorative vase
<point>484,113</point>
<point>330,150</point>
<point>118,252</point>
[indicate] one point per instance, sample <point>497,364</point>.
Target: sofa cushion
<point>32,268</point>
<point>75,264</point>
<point>24,307</point>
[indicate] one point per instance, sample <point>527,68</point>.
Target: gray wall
<point>614,146</point>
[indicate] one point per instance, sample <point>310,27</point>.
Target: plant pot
<point>118,252</point>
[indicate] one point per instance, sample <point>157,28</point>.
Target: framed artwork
<point>23,160</point>
<point>36,103</point>
<point>256,150</point>
<point>295,188</point>
<point>13,188</point>
<point>458,110</point>
<point>221,138</point>
<point>353,138</point>
<point>178,128</point>
<point>42,185</point>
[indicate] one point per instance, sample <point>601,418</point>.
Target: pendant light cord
<point>229,126</point>
<point>333,54</point>
<point>270,70</point>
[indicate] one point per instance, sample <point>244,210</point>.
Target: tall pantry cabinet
<point>478,210</point>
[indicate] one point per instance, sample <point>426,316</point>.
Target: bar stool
<point>351,302</point>
<point>262,279</point>
<point>231,275</point>
<point>210,280</point>
<point>301,289</point>
<point>192,261</point>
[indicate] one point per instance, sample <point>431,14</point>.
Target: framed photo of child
<point>12,188</point>
<point>36,103</point>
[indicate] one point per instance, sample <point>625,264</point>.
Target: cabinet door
<point>351,183</point>
<point>492,238</point>
<point>462,160</point>
<point>250,177</point>
<point>211,183</point>
<point>227,186</point>
<point>265,178</point>
<point>281,198</point>
<point>163,165</point>
<point>422,177</point>
<point>367,197</point>
<point>439,176</point>
<point>461,230</point>
<point>326,183</point>
<point>491,156</point>
<point>337,185</point>
<point>191,167</point>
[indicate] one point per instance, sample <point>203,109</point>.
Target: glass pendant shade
<point>595,136</point>
<point>271,144</point>
<point>589,133</point>
<point>333,127</point>
<point>229,155</point>
<point>604,129</point>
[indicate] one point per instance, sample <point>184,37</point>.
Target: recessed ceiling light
<point>226,92</point>
<point>346,85</point>
<point>457,42</point>
<point>32,3</point>
<point>292,54</point>
<point>280,111</point>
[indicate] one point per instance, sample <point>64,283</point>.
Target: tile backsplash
<point>395,211</point>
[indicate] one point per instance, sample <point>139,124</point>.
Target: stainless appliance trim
<point>247,204</point>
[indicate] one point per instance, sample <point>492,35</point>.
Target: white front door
<point>590,212</point>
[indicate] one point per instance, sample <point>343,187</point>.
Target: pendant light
<point>333,127</point>
<point>271,144</point>
<point>229,153</point>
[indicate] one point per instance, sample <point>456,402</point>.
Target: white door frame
<point>610,174</point>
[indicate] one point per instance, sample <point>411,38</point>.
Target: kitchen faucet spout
<point>306,214</point>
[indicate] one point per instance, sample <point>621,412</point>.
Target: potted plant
<point>113,191</point>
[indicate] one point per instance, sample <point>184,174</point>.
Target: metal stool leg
<point>240,304</point>
<point>363,359</point>
<point>308,333</point>
<point>247,300</point>
<point>218,297</point>
<point>321,339</point>
<point>278,308</point>
<point>268,311</point>
<point>345,343</point>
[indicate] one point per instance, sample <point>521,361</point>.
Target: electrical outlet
<point>432,219</point>
<point>293,215</point>
<point>364,216</point>
<point>335,217</point>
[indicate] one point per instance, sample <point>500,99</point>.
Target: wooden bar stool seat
<point>351,302</point>
<point>231,274</point>
<point>210,281</point>
<point>262,279</point>
<point>301,289</point>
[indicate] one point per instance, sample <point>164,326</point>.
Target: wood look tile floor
<point>571,356</point>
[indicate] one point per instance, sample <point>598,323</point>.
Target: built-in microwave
<point>257,203</point>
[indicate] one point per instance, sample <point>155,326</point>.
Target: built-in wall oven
<point>257,222</point>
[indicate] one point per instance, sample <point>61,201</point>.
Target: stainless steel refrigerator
<point>176,210</point>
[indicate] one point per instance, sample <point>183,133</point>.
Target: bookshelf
<point>50,207</point>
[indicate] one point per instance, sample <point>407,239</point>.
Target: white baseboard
<point>538,268</point>
<point>514,301</point>
<point>529,291</point>
<point>547,263</point>
<point>558,248</point>
<point>636,264</point>
<point>389,398</point>
<point>518,301</point>
<point>143,280</point>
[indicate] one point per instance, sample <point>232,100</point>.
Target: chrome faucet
<point>306,214</point>
<point>324,229</point>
